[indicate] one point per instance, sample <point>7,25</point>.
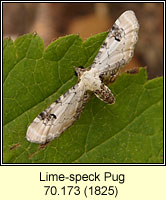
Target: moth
<point>116,51</point>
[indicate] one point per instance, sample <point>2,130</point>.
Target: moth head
<point>79,71</point>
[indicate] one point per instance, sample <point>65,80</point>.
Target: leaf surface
<point>129,131</point>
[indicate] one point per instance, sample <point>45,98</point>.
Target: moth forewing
<point>118,48</point>
<point>58,116</point>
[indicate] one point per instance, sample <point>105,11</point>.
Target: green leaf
<point>129,131</point>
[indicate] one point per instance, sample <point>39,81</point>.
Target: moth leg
<point>135,70</point>
<point>105,94</point>
<point>114,77</point>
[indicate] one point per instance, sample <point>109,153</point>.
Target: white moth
<point>116,51</point>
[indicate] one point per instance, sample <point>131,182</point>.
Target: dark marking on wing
<point>117,32</point>
<point>42,115</point>
<point>54,116</point>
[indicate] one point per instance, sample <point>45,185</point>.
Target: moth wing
<point>58,116</point>
<point>118,48</point>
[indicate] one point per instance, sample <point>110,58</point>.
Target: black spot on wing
<point>54,116</point>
